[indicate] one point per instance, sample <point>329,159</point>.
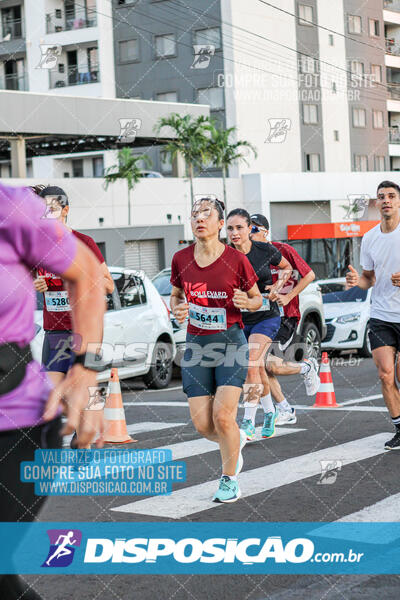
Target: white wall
<point>335,111</point>
<point>264,86</point>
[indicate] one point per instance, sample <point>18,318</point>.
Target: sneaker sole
<point>390,448</point>
<point>238,495</point>
<point>267,437</point>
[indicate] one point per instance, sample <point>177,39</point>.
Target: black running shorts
<point>384,333</point>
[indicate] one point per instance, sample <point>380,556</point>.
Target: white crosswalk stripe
<point>197,498</point>
<point>138,428</point>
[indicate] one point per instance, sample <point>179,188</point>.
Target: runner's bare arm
<point>284,275</point>
<point>250,300</point>
<point>87,306</point>
<point>302,284</point>
<point>108,280</point>
<point>365,281</point>
<point>178,304</point>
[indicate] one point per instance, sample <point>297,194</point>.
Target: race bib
<point>57,301</point>
<point>264,306</point>
<point>205,317</point>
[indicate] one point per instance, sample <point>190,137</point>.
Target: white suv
<point>310,331</point>
<point>136,325</point>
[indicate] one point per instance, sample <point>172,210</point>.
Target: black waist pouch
<point>13,361</point>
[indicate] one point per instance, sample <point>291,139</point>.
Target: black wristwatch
<point>91,361</point>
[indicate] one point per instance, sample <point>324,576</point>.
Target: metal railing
<point>14,82</point>
<point>392,47</point>
<point>394,90</point>
<point>392,5</point>
<point>394,135</point>
<point>67,22</point>
<point>77,75</point>
<point>12,29</point>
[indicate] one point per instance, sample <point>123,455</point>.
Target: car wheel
<point>311,338</point>
<point>365,351</point>
<point>160,372</point>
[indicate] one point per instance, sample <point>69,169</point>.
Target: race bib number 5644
<point>207,318</point>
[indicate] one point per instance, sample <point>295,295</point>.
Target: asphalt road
<point>285,495</point>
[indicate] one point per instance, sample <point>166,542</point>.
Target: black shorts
<point>384,333</point>
<point>286,332</point>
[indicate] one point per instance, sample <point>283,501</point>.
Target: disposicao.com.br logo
<point>212,550</point>
<point>62,547</point>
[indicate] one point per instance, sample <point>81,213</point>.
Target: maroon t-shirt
<point>58,319</point>
<point>212,287</point>
<point>300,269</point>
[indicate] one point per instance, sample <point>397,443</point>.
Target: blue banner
<point>200,548</point>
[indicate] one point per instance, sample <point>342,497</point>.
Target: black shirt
<point>261,256</point>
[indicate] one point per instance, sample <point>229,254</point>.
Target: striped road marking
<point>197,498</point>
<point>137,428</point>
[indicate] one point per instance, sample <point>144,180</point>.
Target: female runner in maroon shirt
<point>211,283</point>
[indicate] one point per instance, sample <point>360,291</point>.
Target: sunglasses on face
<point>256,229</point>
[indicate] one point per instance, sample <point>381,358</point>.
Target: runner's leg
<point>201,413</point>
<point>224,417</point>
<point>384,358</point>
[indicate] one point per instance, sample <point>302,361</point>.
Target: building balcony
<point>12,29</point>
<point>61,21</point>
<point>14,82</point>
<point>77,75</point>
<point>391,5</point>
<point>392,47</point>
<point>394,135</point>
<point>394,90</point>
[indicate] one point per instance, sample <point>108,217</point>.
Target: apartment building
<point>308,75</point>
<point>78,34</point>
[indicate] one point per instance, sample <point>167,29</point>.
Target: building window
<point>360,162</point>
<point>98,166</point>
<point>334,90</point>
<point>331,40</point>
<point>379,163</point>
<point>357,70</point>
<point>77,167</point>
<point>354,24</point>
<point>377,119</point>
<point>128,50</point>
<point>310,114</point>
<point>167,97</point>
<point>307,64</point>
<point>214,96</point>
<point>210,36</point>
<point>359,117</point>
<point>373,26</point>
<point>166,163</point>
<point>336,135</point>
<point>313,162</point>
<point>376,73</point>
<point>165,45</point>
<point>305,14</point>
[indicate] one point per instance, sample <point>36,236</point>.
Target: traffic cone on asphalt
<point>326,393</point>
<point>115,431</point>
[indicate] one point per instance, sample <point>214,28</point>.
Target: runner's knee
<point>223,421</point>
<point>386,375</point>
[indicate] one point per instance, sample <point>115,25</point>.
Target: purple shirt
<point>27,240</point>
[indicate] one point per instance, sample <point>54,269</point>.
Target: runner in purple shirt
<point>29,408</point>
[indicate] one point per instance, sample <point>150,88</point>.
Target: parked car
<point>347,314</point>
<point>138,321</point>
<point>151,174</point>
<point>310,331</point>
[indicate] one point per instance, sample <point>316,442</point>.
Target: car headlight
<point>349,318</point>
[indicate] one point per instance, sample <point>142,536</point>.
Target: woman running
<point>29,408</point>
<point>211,283</point>
<point>260,327</point>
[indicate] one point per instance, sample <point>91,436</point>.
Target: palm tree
<point>223,153</point>
<point>191,141</point>
<point>128,169</point>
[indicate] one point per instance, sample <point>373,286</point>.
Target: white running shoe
<point>286,417</point>
<point>243,440</point>
<point>311,379</point>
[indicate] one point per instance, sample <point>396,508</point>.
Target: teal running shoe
<point>243,440</point>
<point>249,429</point>
<point>268,429</point>
<point>228,490</point>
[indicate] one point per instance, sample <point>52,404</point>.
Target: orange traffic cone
<point>115,431</point>
<point>326,393</point>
